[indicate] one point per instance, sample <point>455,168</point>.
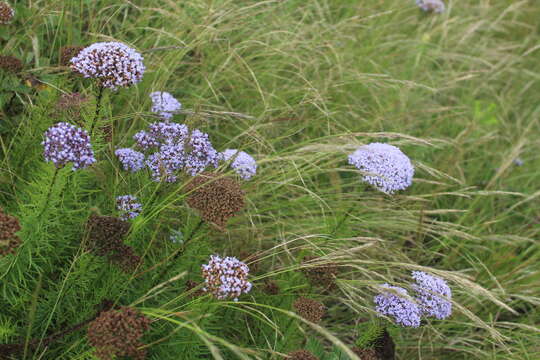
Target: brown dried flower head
<point>216,197</point>
<point>71,105</point>
<point>105,233</point>
<point>125,257</point>
<point>385,346</point>
<point>10,64</point>
<point>320,274</point>
<point>366,354</point>
<point>70,101</point>
<point>118,333</point>
<point>190,285</point>
<point>6,13</point>
<point>69,52</point>
<point>309,309</point>
<point>302,355</point>
<point>271,287</point>
<point>105,238</point>
<point>9,225</point>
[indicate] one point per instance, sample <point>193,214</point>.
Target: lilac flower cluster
<point>394,303</point>
<point>161,133</point>
<point>433,295</point>
<point>201,154</point>
<point>112,63</point>
<point>164,104</point>
<point>432,298</point>
<point>67,143</point>
<point>166,162</point>
<point>436,6</point>
<point>176,148</point>
<point>226,277</point>
<point>385,166</point>
<point>6,13</point>
<point>128,206</point>
<point>131,160</point>
<point>242,162</point>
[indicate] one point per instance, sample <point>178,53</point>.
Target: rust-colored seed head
<point>71,105</point>
<point>216,197</point>
<point>125,257</point>
<point>71,101</point>
<point>69,52</point>
<point>302,355</point>
<point>9,225</point>
<point>309,309</point>
<point>366,354</point>
<point>385,346</point>
<point>10,64</point>
<point>323,275</point>
<point>106,233</point>
<point>116,333</point>
<point>6,13</point>
<point>271,287</point>
<point>190,285</point>
<point>107,131</point>
<point>105,238</point>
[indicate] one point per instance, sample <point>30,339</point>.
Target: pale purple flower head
<point>113,64</point>
<point>131,160</point>
<point>176,148</point>
<point>436,6</point>
<point>128,206</point>
<point>385,166</point>
<point>165,163</point>
<point>201,153</point>
<point>164,104</point>
<point>433,295</point>
<point>394,303</point>
<point>242,163</point>
<point>67,143</point>
<point>226,278</point>
<point>161,133</point>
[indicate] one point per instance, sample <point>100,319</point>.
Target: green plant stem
<point>98,108</point>
<point>178,252</point>
<point>49,193</point>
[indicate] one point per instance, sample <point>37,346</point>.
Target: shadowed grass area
<point>299,85</point>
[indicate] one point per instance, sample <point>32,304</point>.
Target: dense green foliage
<point>299,85</point>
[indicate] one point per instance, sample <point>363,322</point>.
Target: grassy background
<point>298,84</point>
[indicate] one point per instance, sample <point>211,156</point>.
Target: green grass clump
<point>299,85</point>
